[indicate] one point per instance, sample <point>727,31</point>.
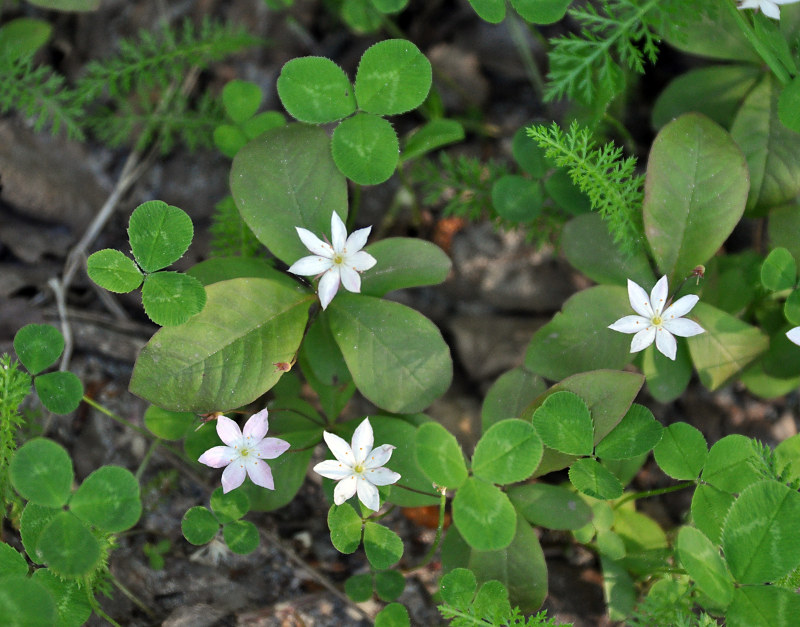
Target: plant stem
<point>133,598</point>
<point>439,528</point>
<point>146,459</point>
<point>642,495</point>
<point>763,51</point>
<point>517,30</point>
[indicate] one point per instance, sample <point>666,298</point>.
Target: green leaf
<point>566,194</point>
<point>791,308</point>
<point>716,36</point>
<point>541,11</point>
<point>41,471</point>
<point>241,99</point>
<point>288,471</point>
<point>389,585</point>
<point>26,603</point>
<point>458,588</point>
<point>286,178</point>
<point>34,519</point>
<point>491,603</point>
<point>359,587</point>
<point>12,562</point>
<point>315,90</point>
<point>727,346</point>
<point>393,615</point>
<point>517,198</point>
<point>528,154</point>
<point>393,77</point>
<point>38,346</point>
<point>22,37</point>
<point>550,506</point>
<point>492,11</point>
<point>784,228</point>
<point>788,105</point>
<point>224,356</point>
<point>762,606</point>
<point>199,525</point>
<point>229,507</point>
<point>510,395</point>
<point>159,234</point>
<point>602,261</point>
<point>168,425</point>
<point>730,464</point>
<point>360,16</point>
<point>389,6</point>
<point>772,150</point>
<point>577,339</point>
<point>108,499</point>
<point>398,358</point>
<point>60,392</point>
<point>508,452</point>
<point>666,378</point>
<point>682,451</point>
<point>113,271</point>
<point>365,149</point>
<point>637,433</point>
<point>610,545</point>
<point>383,547</point>
<point>703,563</point>
<point>345,526</point>
<point>224,268</point>
<point>68,547</point>
<point>564,423</point>
<point>404,262</point>
<point>618,589</point>
<point>241,536</point>
<point>709,509</point>
<point>72,605</point>
<point>695,193</point>
<point>759,536</point>
<point>779,270</point>
<point>229,139</point>
<point>322,353</point>
<point>439,456</point>
<point>484,515</point>
<point>589,477</point>
<point>434,134</point>
<point>262,123</point>
<point>171,298</point>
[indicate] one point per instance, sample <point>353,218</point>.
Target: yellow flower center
<point>657,321</point>
<point>358,468</point>
<point>338,259</point>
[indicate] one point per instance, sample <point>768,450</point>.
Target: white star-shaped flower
<point>794,335</point>
<point>768,7</point>
<point>653,322</point>
<point>341,260</point>
<point>358,467</point>
<point>245,452</point>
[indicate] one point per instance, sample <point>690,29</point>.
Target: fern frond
<point>230,236</point>
<point>40,95</point>
<point>581,65</point>
<point>610,181</point>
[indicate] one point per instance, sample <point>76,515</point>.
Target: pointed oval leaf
<point>550,506</point>
<point>682,451</point>
<point>564,423</point>
<point>60,392</point>
<point>397,357</point>
<point>286,178</point>
<point>171,298</point>
<point>508,452</point>
<point>695,193</point>
<point>24,601</point>
<point>703,563</point>
<point>108,499</point>
<point>383,547</point>
<point>393,77</point>
<point>345,526</point>
<point>510,395</point>
<point>38,346</point>
<point>224,356</point>
<point>439,456</point>
<point>241,536</point>
<point>68,547</point>
<point>365,149</point>
<point>435,134</point>
<point>41,471</point>
<point>315,90</point>
<point>666,378</point>
<point>589,477</point>
<point>159,234</point>
<point>404,262</point>
<point>169,425</point>
<point>199,526</point>
<point>484,515</point>
<point>113,271</point>
<point>288,471</point>
<point>637,433</point>
<point>760,537</point>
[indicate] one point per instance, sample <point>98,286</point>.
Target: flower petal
<point>228,431</point>
<point>771,10</point>
<point>630,324</point>
<point>379,456</point>
<point>328,286</point>
<point>351,280</point>
<point>639,300</point>
<point>658,297</point>
<point>314,244</point>
<point>368,494</point>
<point>381,476</point>
<point>643,339</point>
<point>794,335</point>
<point>361,261</point>
<point>332,469</point>
<point>362,441</point>
<point>680,307</point>
<point>344,489</point>
<point>270,448</point>
<point>260,473</point>
<point>218,456</point>
<point>310,266</point>
<point>683,327</point>
<point>233,476</point>
<point>340,448</point>
<point>356,240</point>
<point>665,342</point>
<point>257,425</point>
<point>338,233</point>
